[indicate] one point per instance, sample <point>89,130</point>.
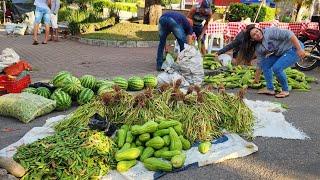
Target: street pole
<point>4,11</point>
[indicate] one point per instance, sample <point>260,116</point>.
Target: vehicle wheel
<point>308,63</point>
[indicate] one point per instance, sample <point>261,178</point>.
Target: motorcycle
<point>311,40</point>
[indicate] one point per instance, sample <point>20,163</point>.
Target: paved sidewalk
<point>80,59</point>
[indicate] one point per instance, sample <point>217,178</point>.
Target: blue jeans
<point>42,12</point>
<point>166,26</point>
<point>277,64</point>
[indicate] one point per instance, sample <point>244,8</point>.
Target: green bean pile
<point>69,154</point>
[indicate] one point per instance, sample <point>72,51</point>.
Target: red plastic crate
<point>14,85</point>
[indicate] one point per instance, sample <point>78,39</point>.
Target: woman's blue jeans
<point>166,26</point>
<point>277,64</point>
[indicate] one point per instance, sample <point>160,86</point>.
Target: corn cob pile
<point>241,76</point>
<point>210,62</point>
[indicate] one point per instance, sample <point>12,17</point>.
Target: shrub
<point>64,14</point>
<point>262,13</point>
<point>270,14</point>
<point>130,7</point>
<point>168,2</point>
<point>238,11</point>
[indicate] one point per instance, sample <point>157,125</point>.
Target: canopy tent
<point>22,6</point>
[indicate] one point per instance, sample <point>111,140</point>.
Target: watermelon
<point>150,81</point>
<point>43,91</point>
<point>135,83</point>
<point>103,89</point>
<point>31,90</point>
<point>85,96</point>
<point>104,82</point>
<point>63,99</point>
<point>59,79</point>
<point>121,82</point>
<point>72,86</point>
<point>88,81</point>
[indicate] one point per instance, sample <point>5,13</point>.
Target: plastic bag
<point>43,84</point>
<point>10,28</point>
<point>190,63</point>
<point>29,21</point>
<point>98,122</point>
<point>168,62</point>
<point>225,59</point>
<point>171,78</point>
<point>20,29</point>
<point>8,57</point>
<point>25,106</point>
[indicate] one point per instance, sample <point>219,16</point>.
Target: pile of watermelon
<point>84,89</point>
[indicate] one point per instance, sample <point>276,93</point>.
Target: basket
<point>10,85</point>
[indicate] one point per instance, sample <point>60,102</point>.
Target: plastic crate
<point>14,85</point>
<point>17,68</point>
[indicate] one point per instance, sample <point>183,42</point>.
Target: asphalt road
<point>276,159</point>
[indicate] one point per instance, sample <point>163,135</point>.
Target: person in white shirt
<point>55,6</point>
<point>42,11</point>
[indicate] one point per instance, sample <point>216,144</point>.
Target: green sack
<point>25,106</point>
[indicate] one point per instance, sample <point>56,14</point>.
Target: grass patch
<point>128,32</point>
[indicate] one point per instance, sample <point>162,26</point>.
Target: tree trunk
<point>151,16</point>
<point>297,11</point>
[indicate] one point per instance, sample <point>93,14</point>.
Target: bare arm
<point>297,45</point>
<point>257,75</point>
<point>189,39</point>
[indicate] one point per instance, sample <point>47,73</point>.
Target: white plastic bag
<point>190,63</point>
<point>10,28</point>
<point>225,59</point>
<point>20,29</point>
<point>29,21</point>
<point>8,57</point>
<point>167,64</point>
<point>171,78</point>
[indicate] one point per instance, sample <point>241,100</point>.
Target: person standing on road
<point>42,11</point>
<point>276,50</point>
<point>200,14</point>
<point>180,26</point>
<point>55,6</point>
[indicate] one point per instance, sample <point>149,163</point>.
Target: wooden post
<point>4,11</point>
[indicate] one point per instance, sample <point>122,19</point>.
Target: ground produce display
<point>202,113</point>
<point>69,154</point>
<point>156,144</point>
<point>211,62</point>
<point>155,126</point>
<point>240,76</point>
<point>83,90</point>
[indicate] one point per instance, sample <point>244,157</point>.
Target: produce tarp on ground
<point>226,147</point>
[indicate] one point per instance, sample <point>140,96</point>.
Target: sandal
<point>282,94</point>
<point>35,43</point>
<point>266,91</point>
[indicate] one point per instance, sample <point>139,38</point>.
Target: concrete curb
<point>118,44</point>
